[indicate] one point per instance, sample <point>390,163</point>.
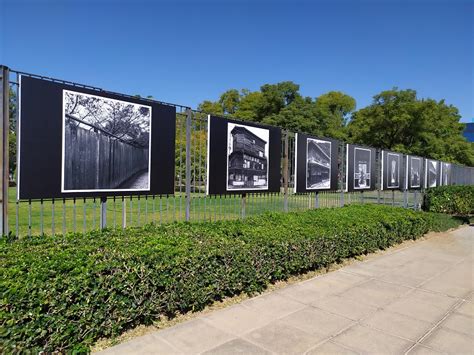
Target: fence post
<point>379,174</point>
<point>285,174</point>
<point>103,212</point>
<point>4,129</point>
<point>243,205</point>
<point>342,174</point>
<point>188,163</point>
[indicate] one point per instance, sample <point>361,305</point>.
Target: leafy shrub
<point>63,293</point>
<point>457,200</point>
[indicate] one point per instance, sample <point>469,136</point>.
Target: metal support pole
<point>316,199</point>
<point>285,174</point>
<point>379,174</point>
<point>341,174</point>
<point>243,205</point>
<point>188,163</point>
<point>362,197</point>
<point>4,129</point>
<point>415,200</point>
<point>405,198</point>
<point>103,212</point>
<point>124,213</point>
<point>393,198</point>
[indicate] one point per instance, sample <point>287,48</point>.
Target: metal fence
<point>189,202</point>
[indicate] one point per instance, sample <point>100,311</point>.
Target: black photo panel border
<point>219,154</point>
<point>387,177</point>
<point>302,142</point>
<point>361,151</point>
<point>41,142</point>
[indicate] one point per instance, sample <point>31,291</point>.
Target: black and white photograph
<point>393,170</point>
<point>362,168</point>
<point>247,157</point>
<point>318,164</point>
<point>445,173</point>
<point>415,172</point>
<point>106,144</point>
<point>431,173</point>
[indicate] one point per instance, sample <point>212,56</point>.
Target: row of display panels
<point>78,142</point>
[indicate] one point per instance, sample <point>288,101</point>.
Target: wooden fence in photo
<point>94,160</point>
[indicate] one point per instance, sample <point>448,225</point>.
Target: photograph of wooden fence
<point>106,144</point>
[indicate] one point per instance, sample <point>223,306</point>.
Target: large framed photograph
<point>106,144</point>
<point>392,171</point>
<point>445,173</point>
<point>80,142</point>
<point>316,163</point>
<point>431,173</point>
<point>414,178</point>
<point>242,157</point>
<point>360,168</point>
<point>247,157</point>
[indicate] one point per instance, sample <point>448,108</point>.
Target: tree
<point>282,105</point>
<point>398,120</point>
<point>275,97</point>
<point>213,108</point>
<point>299,116</point>
<point>333,111</point>
<point>229,101</point>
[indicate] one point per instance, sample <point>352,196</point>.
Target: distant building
<point>247,162</point>
<point>469,132</point>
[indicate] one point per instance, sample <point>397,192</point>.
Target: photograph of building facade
<point>318,164</point>
<point>362,159</point>
<point>415,172</point>
<point>247,157</point>
<point>106,144</point>
<point>431,172</point>
<point>393,170</point>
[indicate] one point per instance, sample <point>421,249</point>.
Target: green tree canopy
<point>399,121</point>
<point>282,105</point>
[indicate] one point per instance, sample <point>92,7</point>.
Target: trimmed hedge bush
<point>63,293</point>
<point>457,200</point>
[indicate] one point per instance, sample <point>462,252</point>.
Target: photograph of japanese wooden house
<point>247,157</point>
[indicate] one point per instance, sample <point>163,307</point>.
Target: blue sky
<point>187,51</point>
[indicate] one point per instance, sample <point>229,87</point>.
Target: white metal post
<point>4,129</point>
<point>188,163</point>
<point>103,212</point>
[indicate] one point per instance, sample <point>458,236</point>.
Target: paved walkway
<point>416,300</point>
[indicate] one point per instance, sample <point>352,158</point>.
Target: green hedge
<point>63,293</point>
<point>457,200</point>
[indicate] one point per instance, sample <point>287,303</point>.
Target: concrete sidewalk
<point>416,300</point>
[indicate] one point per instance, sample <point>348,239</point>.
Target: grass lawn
<point>67,216</point>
